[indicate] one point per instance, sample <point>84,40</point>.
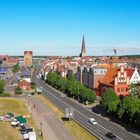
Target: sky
<point>56,27</point>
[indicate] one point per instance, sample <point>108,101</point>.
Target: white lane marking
<point>74,109</point>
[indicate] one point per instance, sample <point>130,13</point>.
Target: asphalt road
<point>82,115</point>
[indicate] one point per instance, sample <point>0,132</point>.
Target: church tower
<point>83,50</point>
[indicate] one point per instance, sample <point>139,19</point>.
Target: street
<point>82,115</point>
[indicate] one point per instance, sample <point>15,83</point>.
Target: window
<point>122,89</point>
<point>118,89</point>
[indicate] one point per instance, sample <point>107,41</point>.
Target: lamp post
<point>41,129</point>
<point>78,92</point>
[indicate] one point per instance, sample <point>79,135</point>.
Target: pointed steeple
<point>83,49</point>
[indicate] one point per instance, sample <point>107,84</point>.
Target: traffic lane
<point>58,102</point>
<point>105,122</point>
<point>115,129</point>
<point>78,117</point>
<point>94,129</point>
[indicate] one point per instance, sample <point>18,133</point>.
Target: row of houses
<point>99,79</point>
<point>23,80</point>
<point>96,76</point>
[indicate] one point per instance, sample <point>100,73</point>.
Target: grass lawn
<point>18,107</point>
<point>78,132</point>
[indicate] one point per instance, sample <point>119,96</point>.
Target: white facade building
<point>135,78</point>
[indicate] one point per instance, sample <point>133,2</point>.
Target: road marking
<point>74,109</point>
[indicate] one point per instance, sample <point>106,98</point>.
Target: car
<point>23,129</point>
<point>29,95</point>
<point>92,121</point>
<point>62,95</point>
<point>110,135</point>
<point>1,118</point>
<point>29,129</point>
<point>32,93</point>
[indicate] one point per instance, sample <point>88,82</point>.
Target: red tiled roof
<point>130,72</point>
<point>109,77</point>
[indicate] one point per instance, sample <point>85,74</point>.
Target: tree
<point>135,90</point>
<point>18,90</point>
<point>108,96</point>
<point>71,77</point>
<point>1,86</point>
<point>71,87</point>
<point>33,85</point>
<point>113,107</point>
<point>15,68</point>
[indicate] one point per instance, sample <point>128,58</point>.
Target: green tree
<point>18,90</point>
<point>71,87</point>
<point>15,68</point>
<point>1,86</point>
<point>113,107</point>
<point>135,90</point>
<point>108,96</point>
<point>71,77</point>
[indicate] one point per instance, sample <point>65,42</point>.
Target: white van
<point>32,136</point>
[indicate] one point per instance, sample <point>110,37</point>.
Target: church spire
<point>83,50</point>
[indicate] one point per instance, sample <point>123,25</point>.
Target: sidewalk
<point>51,127</point>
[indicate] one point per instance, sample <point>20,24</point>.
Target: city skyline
<point>56,27</point>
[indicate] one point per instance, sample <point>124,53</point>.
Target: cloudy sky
<point>56,27</point>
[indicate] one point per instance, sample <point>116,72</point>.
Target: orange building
<point>117,79</point>
<point>28,58</point>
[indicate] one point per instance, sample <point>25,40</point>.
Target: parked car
<point>26,136</point>
<point>29,95</point>
<point>32,93</point>
<point>23,129</point>
<point>29,129</point>
<point>32,136</point>
<point>110,135</point>
<point>92,121</point>
<point>1,118</point>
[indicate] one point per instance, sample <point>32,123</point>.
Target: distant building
<point>91,76</point>
<point>28,58</point>
<point>8,61</point>
<point>83,50</point>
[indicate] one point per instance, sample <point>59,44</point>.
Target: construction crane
<point>115,56</point>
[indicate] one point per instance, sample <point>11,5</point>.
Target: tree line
<point>127,108</point>
<point>71,87</point>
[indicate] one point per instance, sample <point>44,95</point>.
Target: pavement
<point>82,115</point>
<point>50,126</point>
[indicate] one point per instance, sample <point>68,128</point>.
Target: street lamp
<point>78,92</point>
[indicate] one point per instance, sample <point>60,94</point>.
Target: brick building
<point>28,58</point>
<point>117,79</point>
<point>24,85</point>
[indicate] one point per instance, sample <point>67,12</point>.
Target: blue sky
<point>56,27</point>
